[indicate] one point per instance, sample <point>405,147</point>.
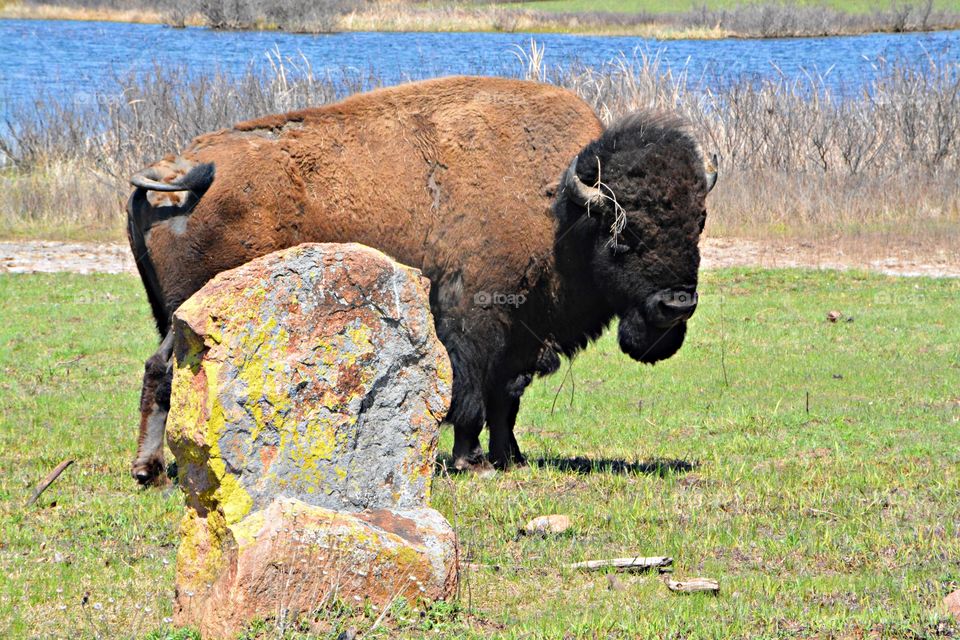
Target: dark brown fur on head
<point>646,227</point>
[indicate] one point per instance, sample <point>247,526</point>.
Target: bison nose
<point>667,307</point>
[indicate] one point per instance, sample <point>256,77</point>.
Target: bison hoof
<point>149,472</point>
<point>479,466</point>
<point>509,461</point>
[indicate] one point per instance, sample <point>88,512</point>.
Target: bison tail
<point>141,216</point>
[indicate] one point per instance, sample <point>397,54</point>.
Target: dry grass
<point>397,17</point>
<point>63,197</point>
<point>799,161</point>
<point>880,164</point>
<point>403,17</point>
<point>18,11</point>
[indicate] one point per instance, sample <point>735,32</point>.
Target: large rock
<point>307,394</point>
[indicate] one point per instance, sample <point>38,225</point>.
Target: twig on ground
<point>624,564</point>
<point>48,481</point>
<point>620,564</point>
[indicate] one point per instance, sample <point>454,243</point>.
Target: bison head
<point>640,189</point>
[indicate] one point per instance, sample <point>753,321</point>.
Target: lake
<point>63,58</point>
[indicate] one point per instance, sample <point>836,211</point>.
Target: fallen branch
<point>624,564</point>
<point>693,585</point>
<point>49,480</point>
<point>620,564</point>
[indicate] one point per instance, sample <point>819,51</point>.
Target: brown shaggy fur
<point>457,170</point>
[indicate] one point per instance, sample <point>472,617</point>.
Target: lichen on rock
<point>314,372</point>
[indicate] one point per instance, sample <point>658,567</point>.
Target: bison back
<point>455,175</point>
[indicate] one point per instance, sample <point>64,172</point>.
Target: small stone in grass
<point>833,316</point>
<point>547,525</point>
<point>952,602</point>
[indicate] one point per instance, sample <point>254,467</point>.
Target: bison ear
<point>712,169</point>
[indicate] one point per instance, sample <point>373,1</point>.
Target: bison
<point>535,226</point>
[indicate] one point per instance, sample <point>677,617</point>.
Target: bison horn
<point>712,168</point>
<point>581,193</point>
<point>147,179</point>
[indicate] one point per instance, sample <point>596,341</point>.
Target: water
<point>63,59</point>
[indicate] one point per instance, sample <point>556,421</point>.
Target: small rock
<point>547,525</point>
<point>952,602</point>
<point>833,316</point>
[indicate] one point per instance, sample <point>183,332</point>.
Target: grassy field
<point>812,467</point>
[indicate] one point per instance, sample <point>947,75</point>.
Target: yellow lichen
<point>245,531</point>
<point>200,557</point>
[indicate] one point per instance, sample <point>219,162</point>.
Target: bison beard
<point>646,343</point>
<point>498,216</point>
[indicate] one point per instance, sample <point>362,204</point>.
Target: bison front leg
<point>502,408</point>
<point>467,452</point>
<point>148,466</point>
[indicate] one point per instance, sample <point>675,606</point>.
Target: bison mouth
<point>647,343</point>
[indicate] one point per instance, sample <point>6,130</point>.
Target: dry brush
<point>799,158</point>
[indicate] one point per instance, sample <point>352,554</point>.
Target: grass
<point>18,11</point>
<point>838,521</point>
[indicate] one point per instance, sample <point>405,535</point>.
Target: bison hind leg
<point>148,466</point>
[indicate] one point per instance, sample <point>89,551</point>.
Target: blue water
<point>62,59</point>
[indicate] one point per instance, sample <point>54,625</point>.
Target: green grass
<point>832,522</point>
<point>664,6</point>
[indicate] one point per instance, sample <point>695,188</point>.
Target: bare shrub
<point>156,113</point>
<point>786,19</point>
<point>767,19</point>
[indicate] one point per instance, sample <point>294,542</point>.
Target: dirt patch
<point>897,261</point>
<point>39,256</point>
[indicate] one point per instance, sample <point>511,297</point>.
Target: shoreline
<point>403,19</point>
